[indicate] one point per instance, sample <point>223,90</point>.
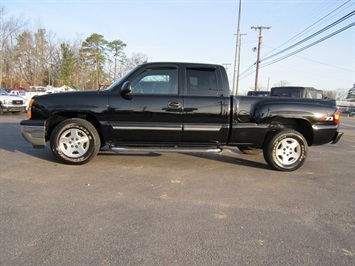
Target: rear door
<point>205,115</point>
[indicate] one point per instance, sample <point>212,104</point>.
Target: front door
<point>153,112</point>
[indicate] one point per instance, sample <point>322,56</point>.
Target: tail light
<point>336,117</point>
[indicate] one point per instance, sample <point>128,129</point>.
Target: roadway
<point>175,208</point>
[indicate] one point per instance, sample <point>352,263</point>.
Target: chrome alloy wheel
<point>74,143</point>
<point>288,151</point>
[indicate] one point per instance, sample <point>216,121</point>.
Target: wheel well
<point>300,125</point>
<point>54,120</point>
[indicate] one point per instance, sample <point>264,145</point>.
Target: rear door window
<point>202,82</point>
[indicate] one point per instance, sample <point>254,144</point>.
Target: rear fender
<point>300,125</point>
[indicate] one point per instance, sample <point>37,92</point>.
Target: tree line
<point>37,58</point>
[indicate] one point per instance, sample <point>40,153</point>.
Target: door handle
<point>174,105</point>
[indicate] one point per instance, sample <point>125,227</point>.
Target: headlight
<point>29,111</point>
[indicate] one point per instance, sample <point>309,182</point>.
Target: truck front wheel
<point>75,141</point>
<point>286,150</point>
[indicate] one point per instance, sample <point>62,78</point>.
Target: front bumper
<point>33,131</point>
<point>7,109</point>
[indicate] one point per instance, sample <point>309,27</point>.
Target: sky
<point>204,31</point>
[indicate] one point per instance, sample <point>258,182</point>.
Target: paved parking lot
<point>174,208</point>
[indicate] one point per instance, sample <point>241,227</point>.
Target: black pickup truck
<point>179,107</point>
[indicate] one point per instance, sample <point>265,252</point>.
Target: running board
<point>165,149</point>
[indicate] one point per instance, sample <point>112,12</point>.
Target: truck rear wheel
<point>75,141</point>
<point>286,150</point>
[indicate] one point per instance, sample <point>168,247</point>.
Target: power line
<point>313,35</point>
<point>303,31</point>
<point>247,72</point>
<point>321,63</point>
<point>312,44</point>
<point>250,70</point>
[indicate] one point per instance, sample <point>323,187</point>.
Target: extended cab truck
<point>179,107</point>
<point>258,93</point>
<point>296,91</point>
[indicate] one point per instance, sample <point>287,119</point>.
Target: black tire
<point>286,150</point>
<point>75,141</point>
<point>250,150</point>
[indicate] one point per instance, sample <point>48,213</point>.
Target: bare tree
<point>24,59</point>
<point>40,51</point>
<point>52,62</point>
<point>136,59</point>
<point>9,28</point>
<point>330,94</point>
<point>282,83</point>
<point>37,58</point>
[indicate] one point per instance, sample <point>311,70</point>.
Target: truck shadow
<point>11,140</point>
<point>230,159</point>
<point>224,157</point>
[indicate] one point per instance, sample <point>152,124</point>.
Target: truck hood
<point>92,101</point>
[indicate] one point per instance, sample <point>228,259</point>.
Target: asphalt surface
<point>175,208</point>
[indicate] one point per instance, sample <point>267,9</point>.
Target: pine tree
<point>116,47</point>
<point>94,49</point>
<point>67,64</point>
<point>351,94</point>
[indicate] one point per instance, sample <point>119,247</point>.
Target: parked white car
<point>11,103</point>
<point>27,95</point>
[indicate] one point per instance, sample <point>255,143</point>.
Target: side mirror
<point>126,88</point>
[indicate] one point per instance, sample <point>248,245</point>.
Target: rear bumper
<point>337,137</point>
<point>33,131</point>
<point>323,134</point>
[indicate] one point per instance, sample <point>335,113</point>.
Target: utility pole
<point>260,28</point>
<point>237,57</point>
<point>226,65</point>
<point>238,67</point>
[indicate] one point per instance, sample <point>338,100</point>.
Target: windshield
<point>3,92</point>
<point>113,85</point>
<point>315,94</point>
<point>286,92</point>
